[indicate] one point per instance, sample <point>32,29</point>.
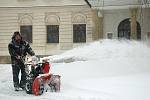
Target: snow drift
<point>105,49</point>
<point>103,70</point>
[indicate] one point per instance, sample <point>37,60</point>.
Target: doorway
<point>124,29</point>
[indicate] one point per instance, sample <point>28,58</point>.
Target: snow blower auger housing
<point>39,78</point>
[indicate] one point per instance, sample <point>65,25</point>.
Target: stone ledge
<point>5,60</point>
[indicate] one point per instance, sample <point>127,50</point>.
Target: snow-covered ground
<point>103,70</point>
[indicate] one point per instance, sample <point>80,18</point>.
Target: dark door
<point>124,29</point>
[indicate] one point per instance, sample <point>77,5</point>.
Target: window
<point>79,33</point>
<point>26,32</point>
<point>52,27</point>
<point>52,33</point>
<point>25,22</point>
<point>109,35</point>
<point>79,28</point>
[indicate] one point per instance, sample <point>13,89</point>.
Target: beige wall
<point>10,22</point>
<point>97,25</point>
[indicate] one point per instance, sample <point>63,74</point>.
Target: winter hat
<point>15,34</point>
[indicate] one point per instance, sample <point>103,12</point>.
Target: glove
<point>18,57</point>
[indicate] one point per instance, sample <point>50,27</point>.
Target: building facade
<point>54,26</point>
<point>50,29</point>
<point>118,23</point>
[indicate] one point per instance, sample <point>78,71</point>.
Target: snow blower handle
<point>20,58</point>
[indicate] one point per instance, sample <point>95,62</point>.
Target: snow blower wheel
<point>28,87</point>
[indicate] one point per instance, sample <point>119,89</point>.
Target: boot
<point>17,88</point>
<point>22,85</point>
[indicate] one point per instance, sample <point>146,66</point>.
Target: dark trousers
<point>16,69</point>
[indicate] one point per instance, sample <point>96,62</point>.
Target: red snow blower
<point>39,78</point>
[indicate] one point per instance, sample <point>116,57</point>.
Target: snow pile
<point>105,49</point>
<point>103,70</point>
<point>104,58</point>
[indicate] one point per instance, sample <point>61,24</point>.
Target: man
<point>18,49</point>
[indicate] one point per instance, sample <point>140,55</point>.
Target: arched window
<point>79,28</point>
<point>26,27</point>
<point>124,29</point>
<point>52,27</point>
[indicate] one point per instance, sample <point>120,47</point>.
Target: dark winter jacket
<point>21,49</point>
